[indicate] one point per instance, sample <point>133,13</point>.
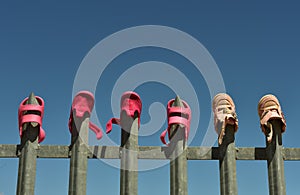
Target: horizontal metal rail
<point>149,152</point>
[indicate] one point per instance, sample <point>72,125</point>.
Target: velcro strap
<point>177,115</point>
<point>26,118</point>
<point>222,107</point>
<point>185,111</point>
<point>30,118</point>
<point>271,107</point>
<point>31,107</point>
<point>178,120</point>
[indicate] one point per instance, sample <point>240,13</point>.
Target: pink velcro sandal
<point>36,118</point>
<point>269,108</point>
<point>224,113</point>
<point>84,102</point>
<point>130,103</point>
<point>177,115</point>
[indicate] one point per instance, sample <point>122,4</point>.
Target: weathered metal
<point>275,159</point>
<point>291,153</point>
<point>226,124</point>
<point>178,161</point>
<point>28,153</point>
<point>227,163</point>
<point>149,152</point>
<point>129,154</point>
<point>79,151</point>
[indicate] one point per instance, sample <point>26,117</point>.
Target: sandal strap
<point>177,115</point>
<point>96,130</point>
<point>37,118</point>
<point>116,121</point>
<point>163,136</point>
<point>269,108</point>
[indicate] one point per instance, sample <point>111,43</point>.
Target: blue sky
<point>255,45</point>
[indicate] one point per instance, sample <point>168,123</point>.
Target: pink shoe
<point>177,115</point>
<point>26,118</point>
<point>269,108</point>
<point>84,102</point>
<point>224,113</point>
<point>130,103</point>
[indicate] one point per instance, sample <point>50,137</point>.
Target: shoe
<point>23,117</point>
<point>224,113</point>
<point>269,108</point>
<point>83,102</point>
<point>130,104</point>
<point>177,115</point>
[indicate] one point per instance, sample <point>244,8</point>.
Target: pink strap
<point>96,130</point>
<point>163,135</point>
<point>26,118</point>
<point>177,115</point>
<point>110,122</point>
<point>84,102</point>
<point>130,103</point>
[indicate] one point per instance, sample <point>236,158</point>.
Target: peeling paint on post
<point>227,163</point>
<point>27,159</point>
<point>275,160</point>
<point>79,152</point>
<point>178,163</point>
<point>129,155</point>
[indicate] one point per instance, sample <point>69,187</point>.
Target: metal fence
<point>129,152</point>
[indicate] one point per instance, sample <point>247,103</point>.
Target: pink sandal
<point>84,102</point>
<point>130,103</point>
<point>177,115</point>
<point>26,118</point>
<point>224,113</point>
<point>269,108</point>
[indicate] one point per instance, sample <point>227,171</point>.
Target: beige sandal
<point>269,108</point>
<point>224,113</point>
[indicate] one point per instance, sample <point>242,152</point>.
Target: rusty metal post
<point>129,155</point>
<point>27,158</point>
<point>227,163</point>
<point>79,153</point>
<point>275,160</point>
<point>178,164</point>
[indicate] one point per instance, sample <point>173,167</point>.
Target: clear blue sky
<point>255,45</point>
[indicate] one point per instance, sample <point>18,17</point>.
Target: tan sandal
<point>269,108</point>
<point>224,113</point>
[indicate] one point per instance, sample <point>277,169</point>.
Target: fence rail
<point>155,152</point>
<point>177,152</point>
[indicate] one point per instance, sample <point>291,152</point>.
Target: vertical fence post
<point>227,163</point>
<point>275,160</point>
<point>129,155</point>
<point>178,164</point>
<point>79,151</point>
<point>27,159</point>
